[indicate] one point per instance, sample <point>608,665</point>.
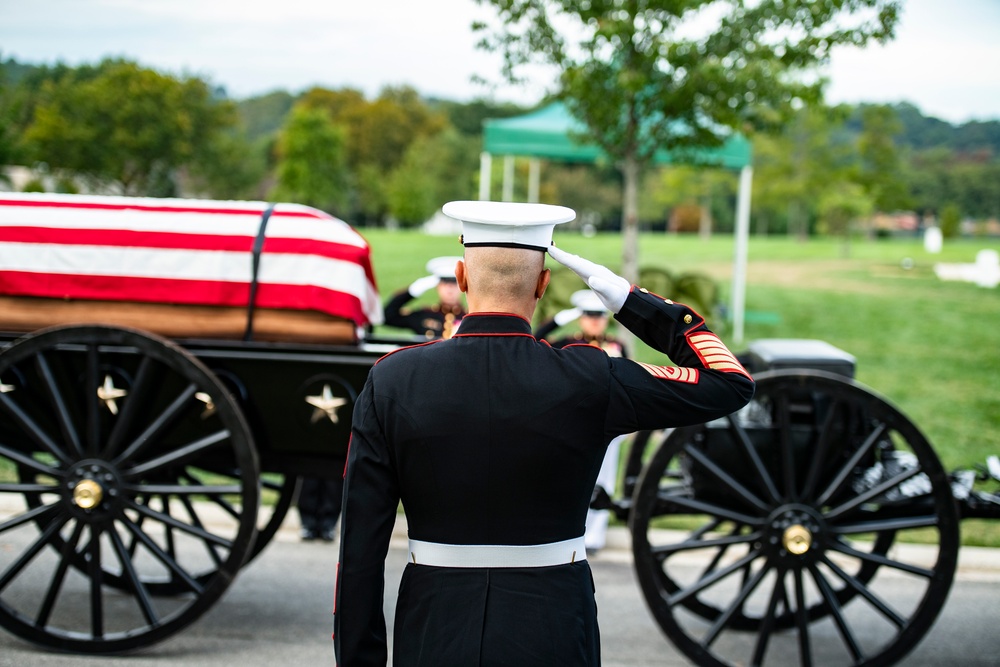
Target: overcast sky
<point>945,58</point>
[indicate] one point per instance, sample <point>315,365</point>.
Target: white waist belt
<point>498,555</point>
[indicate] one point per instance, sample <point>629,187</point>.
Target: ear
<point>543,282</point>
<point>461,277</point>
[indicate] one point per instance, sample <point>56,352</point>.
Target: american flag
<point>184,251</point>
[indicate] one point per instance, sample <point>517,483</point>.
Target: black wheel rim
<point>117,443</point>
<point>788,512</point>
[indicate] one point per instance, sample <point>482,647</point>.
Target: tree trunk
<point>630,236</point>
<point>630,221</point>
<point>705,221</point>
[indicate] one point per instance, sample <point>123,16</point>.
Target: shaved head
<point>506,278</point>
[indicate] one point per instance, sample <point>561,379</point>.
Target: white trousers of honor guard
<point>597,520</point>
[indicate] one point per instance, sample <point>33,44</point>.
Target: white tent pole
<point>534,168</point>
<point>508,178</point>
<point>740,253</point>
<point>485,173</point>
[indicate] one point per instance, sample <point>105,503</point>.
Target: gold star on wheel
<point>109,393</point>
<point>326,405</point>
<point>209,404</point>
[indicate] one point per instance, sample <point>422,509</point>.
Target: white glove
<point>567,316</point>
<point>611,288</point>
<point>421,285</point>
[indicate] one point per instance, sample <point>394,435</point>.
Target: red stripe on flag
<point>184,292</point>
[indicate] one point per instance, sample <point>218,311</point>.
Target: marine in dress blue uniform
<point>493,441</point>
<point>439,320</point>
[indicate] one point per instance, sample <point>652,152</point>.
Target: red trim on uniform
<point>350,438</point>
<point>584,345</point>
<point>490,334</point>
<point>336,590</point>
<point>389,354</point>
<point>483,313</point>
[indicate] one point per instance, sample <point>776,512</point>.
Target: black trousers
<point>319,503</point>
<point>496,617</point>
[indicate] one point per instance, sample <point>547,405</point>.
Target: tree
<point>434,170</point>
<point>638,80</point>
<point>841,204</point>
<point>123,124</point>
<point>378,135</point>
<point>880,160</point>
<point>312,164</point>
<point>795,167</point>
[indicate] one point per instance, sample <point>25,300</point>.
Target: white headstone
<point>933,240</point>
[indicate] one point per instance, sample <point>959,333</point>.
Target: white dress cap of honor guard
<point>443,267</point>
<point>587,301</point>
<point>508,224</point>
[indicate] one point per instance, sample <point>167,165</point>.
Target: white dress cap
<point>587,301</point>
<point>443,267</point>
<point>507,224</point>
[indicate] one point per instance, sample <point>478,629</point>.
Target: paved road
<point>278,613</point>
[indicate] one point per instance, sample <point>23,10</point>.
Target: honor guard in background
<point>593,317</point>
<point>493,440</point>
<point>319,507</point>
<point>439,320</point>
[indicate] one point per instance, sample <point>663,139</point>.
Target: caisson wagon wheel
<point>129,490</point>
<point>781,534</point>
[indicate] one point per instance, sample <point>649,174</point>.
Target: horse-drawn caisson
<point>164,363</point>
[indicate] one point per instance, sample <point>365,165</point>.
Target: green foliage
<point>410,191</point>
<point>794,168</point>
<point>378,134</point>
<point>879,158</point>
<point>841,205</point>
<point>630,71</point>
<point>593,193</point>
<point>122,124</point>
<point>434,170</point>
<point>640,82</point>
<point>951,219</point>
<point>263,116</point>
<point>312,161</point>
<point>229,167</point>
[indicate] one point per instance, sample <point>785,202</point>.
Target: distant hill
<point>921,132</point>
<point>263,116</point>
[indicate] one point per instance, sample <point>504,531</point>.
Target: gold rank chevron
<point>714,354</point>
<point>688,375</point>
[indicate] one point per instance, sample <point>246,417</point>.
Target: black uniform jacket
<point>433,322</point>
<point>495,437</point>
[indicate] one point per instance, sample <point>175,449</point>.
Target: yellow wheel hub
<point>797,539</point>
<point>87,494</point>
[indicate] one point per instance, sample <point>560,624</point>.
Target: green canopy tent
<point>551,133</point>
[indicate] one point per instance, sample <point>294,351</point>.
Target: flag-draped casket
<point>184,268</point>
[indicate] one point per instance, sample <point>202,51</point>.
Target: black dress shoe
<point>326,535</point>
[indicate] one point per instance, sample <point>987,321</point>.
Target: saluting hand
<point>611,288</point>
<point>421,285</point>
